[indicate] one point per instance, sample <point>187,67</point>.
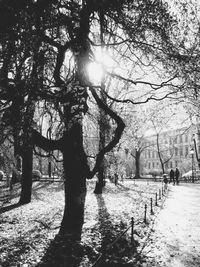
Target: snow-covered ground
<point>176,241</point>
<point>27,231</point>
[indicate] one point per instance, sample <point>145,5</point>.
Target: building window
<point>153,165</point>
<point>171,164</point>
<point>149,154</point>
<point>149,165</point>
<point>186,138</point>
<point>180,139</point>
<point>176,151</point>
<point>181,151</point>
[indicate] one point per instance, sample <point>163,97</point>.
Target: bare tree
<point>48,61</point>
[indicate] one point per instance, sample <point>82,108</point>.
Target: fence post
<point>156,200</point>
<point>132,229</point>
<point>145,213</point>
<point>151,206</point>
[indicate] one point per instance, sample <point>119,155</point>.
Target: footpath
<point>175,241</point>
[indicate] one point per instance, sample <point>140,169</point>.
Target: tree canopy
<point>46,47</point>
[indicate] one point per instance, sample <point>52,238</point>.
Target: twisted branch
<point>117,135</point>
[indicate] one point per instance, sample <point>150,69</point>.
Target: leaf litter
<point>26,232</point>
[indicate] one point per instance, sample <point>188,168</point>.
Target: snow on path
<point>176,240</point>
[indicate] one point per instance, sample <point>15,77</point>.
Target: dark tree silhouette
<point>46,49</point>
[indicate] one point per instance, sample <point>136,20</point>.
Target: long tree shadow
<point>63,252</point>
<point>16,193</point>
<point>10,207</point>
<point>113,253</point>
<point>104,220</point>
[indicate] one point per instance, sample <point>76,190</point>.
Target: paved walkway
<point>176,240</point>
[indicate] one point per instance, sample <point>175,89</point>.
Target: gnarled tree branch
<point>45,143</point>
<point>117,135</point>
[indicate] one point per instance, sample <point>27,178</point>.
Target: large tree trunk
<point>102,121</point>
<point>163,167</point>
<point>26,180</point>
<point>102,136</point>
<point>137,164</point>
<point>101,180</point>
<point>75,172</point>
<point>103,132</point>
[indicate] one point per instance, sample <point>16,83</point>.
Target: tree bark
<point>26,179</point>
<point>102,142</point>
<point>159,153</point>
<point>137,164</point>
<point>101,180</point>
<point>75,172</point>
<point>102,120</point>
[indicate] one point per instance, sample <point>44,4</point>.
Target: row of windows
<point>150,154</point>
<point>152,165</point>
<point>155,165</point>
<point>181,151</point>
<point>179,139</point>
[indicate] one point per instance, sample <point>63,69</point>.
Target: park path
<point>175,241</point>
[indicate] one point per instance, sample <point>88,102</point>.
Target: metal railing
<point>158,196</point>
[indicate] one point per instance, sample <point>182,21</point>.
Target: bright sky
<point>96,68</point>
<point>180,118</point>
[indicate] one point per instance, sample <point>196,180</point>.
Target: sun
<point>95,72</point>
<point>96,69</point>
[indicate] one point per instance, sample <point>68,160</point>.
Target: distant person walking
<point>171,177</point>
<point>177,174</point>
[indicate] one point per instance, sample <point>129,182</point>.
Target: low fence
<point>160,179</point>
<point>148,209</point>
<point>190,179</point>
<point>7,192</point>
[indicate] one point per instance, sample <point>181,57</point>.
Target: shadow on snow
<point>115,254</point>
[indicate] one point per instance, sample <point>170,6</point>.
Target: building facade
<point>176,148</point>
